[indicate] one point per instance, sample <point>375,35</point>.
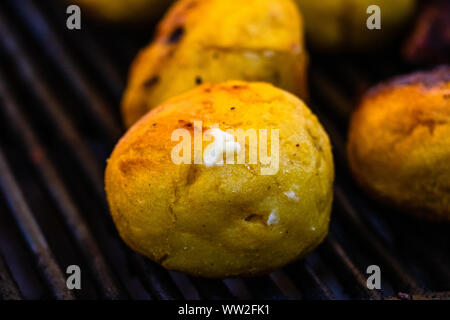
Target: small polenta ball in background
<point>341,24</point>
<point>210,41</point>
<point>134,12</point>
<point>399,143</point>
<point>223,220</point>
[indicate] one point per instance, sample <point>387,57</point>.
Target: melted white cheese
<point>223,143</point>
<point>273,218</point>
<point>291,195</point>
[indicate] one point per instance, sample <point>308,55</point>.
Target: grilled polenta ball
<point>132,12</point>
<point>214,219</point>
<point>399,143</point>
<point>341,24</point>
<point>210,41</point>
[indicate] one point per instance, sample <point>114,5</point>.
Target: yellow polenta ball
<point>134,12</point>
<point>210,41</point>
<point>341,24</point>
<point>214,219</point>
<point>399,143</point>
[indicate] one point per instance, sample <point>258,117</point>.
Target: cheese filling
<point>223,143</point>
<point>274,218</point>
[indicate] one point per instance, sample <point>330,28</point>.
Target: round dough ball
<point>223,220</point>
<point>124,11</point>
<point>211,41</point>
<point>399,143</point>
<point>341,24</point>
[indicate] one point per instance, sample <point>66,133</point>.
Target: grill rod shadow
<point>334,250</point>
<point>48,40</point>
<point>75,223</point>
<point>349,212</point>
<point>86,43</point>
<point>8,286</point>
<point>67,131</point>
<point>278,284</point>
<point>345,106</point>
<point>45,260</point>
<point>326,292</point>
<point>57,52</point>
<point>62,123</point>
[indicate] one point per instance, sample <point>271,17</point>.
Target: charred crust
<point>428,79</point>
<point>150,82</point>
<point>176,35</point>
<point>185,124</point>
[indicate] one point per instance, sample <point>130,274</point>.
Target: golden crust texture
<point>210,41</point>
<point>214,221</point>
<point>399,143</point>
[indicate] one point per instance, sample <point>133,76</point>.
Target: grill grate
<point>59,92</point>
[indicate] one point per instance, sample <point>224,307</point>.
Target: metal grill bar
<point>49,42</point>
<point>405,281</point>
<point>325,88</point>
<point>401,276</point>
<point>211,289</point>
<point>8,286</point>
<point>237,288</point>
<point>89,48</point>
<point>334,249</point>
<point>75,223</point>
<point>45,260</point>
<point>60,120</point>
<point>263,288</point>
<point>422,247</point>
<point>189,291</point>
<point>354,78</point>
<point>325,291</point>
<point>347,210</point>
<point>157,281</point>
<point>62,123</point>
<point>286,286</point>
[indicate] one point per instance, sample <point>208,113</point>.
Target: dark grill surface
<point>59,97</point>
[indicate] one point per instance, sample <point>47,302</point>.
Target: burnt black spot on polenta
<point>176,35</point>
<point>185,124</point>
<point>198,80</point>
<point>151,82</point>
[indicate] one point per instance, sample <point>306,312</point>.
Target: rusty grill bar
<point>59,96</point>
